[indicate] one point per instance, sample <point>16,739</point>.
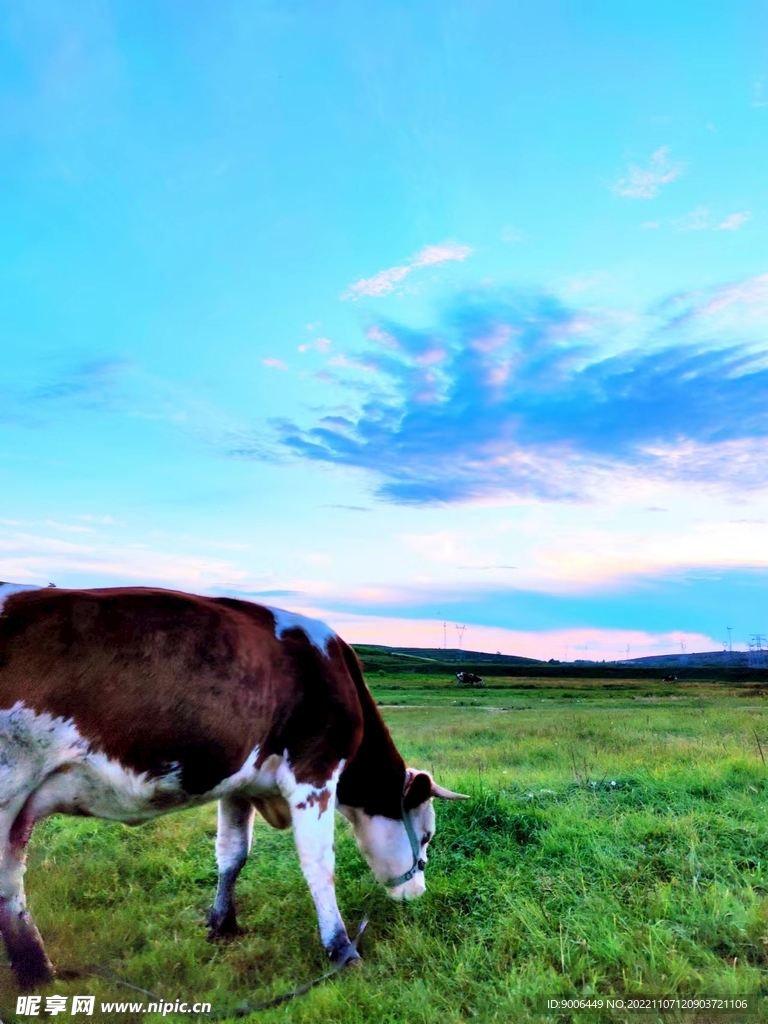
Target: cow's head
<point>396,849</point>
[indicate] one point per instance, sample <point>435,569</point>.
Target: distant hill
<point>737,666</point>
<point>704,659</point>
<point>439,660</point>
<point>449,654</point>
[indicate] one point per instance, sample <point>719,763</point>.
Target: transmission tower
<point>460,631</point>
<point>756,656</point>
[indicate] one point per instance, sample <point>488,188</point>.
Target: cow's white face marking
<point>317,632</point>
<point>385,845</point>
<point>6,589</point>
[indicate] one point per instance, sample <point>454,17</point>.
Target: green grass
<point>616,842</point>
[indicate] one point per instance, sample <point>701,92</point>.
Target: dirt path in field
<point>455,707</point>
<point>566,705</point>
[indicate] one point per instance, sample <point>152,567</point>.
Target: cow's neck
<point>374,779</point>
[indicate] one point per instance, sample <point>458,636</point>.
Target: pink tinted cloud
<point>321,344</point>
<point>432,254</point>
<point>752,292</point>
<point>375,333</point>
<point>564,644</point>
<point>498,375</point>
<point>384,282</point>
<point>431,356</point>
<point>496,338</point>
<point>274,364</point>
<point>351,364</point>
<point>740,306</point>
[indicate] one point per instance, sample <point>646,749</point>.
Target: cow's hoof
<point>222,927</point>
<point>33,972</point>
<point>343,953</point>
<point>31,967</point>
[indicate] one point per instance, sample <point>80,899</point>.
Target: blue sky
<point>397,314</point>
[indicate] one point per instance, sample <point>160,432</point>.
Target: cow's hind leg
<point>233,844</point>
<point>22,940</point>
<point>312,813</point>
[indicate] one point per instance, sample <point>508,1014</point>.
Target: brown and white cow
<point>128,703</point>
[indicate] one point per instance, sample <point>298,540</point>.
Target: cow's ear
<point>418,790</point>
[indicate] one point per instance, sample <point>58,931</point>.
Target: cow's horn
<point>446,794</point>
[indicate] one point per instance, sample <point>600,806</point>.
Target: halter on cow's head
<point>396,848</point>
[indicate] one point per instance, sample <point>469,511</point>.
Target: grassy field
<point>616,842</point>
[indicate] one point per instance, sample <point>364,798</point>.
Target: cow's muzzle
<point>409,890</point>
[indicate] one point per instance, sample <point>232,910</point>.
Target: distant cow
<point>128,703</point>
<point>669,679</point>
<point>469,679</point>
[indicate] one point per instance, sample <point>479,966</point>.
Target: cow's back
<point>158,679</point>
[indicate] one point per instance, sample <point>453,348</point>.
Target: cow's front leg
<point>233,844</point>
<point>312,814</point>
<point>22,940</point>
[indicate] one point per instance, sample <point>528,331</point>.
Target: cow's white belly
<point>103,788</point>
<point>47,758</point>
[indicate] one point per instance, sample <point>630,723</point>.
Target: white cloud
<point>432,254</point>
<point>384,282</point>
<point>699,220</point>
<point>696,220</point>
<point>644,182</point>
<point>94,560</point>
<point>274,364</point>
<point>609,551</point>
<point>321,344</point>
<point>734,221</point>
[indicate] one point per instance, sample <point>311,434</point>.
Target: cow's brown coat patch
<point>157,679</point>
